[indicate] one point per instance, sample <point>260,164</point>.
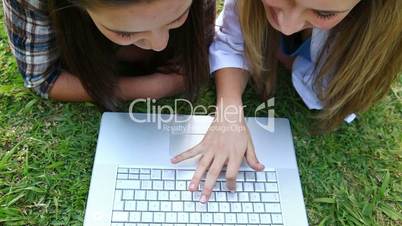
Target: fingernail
<point>203,199</point>
<point>231,189</point>
<point>192,186</point>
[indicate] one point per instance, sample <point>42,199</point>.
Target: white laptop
<point>133,182</point>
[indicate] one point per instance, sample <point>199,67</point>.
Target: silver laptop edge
<point>122,142</point>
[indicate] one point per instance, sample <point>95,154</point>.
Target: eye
<point>324,15</point>
<point>125,34</point>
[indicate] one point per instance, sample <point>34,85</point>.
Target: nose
<point>291,21</point>
<point>159,39</point>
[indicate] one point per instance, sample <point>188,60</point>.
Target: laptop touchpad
<point>182,142</point>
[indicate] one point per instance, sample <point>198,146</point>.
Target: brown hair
<point>365,56</point>
<point>86,53</point>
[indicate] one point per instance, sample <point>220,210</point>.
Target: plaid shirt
<point>33,43</point>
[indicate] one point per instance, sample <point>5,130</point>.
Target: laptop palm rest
<point>180,143</point>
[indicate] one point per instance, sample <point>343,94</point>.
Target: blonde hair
<point>364,56</point>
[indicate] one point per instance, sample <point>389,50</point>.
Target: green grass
<point>349,177</point>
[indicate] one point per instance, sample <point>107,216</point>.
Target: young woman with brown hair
<point>74,50</point>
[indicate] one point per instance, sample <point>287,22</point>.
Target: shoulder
<point>34,6</point>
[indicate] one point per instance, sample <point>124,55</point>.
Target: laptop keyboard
<point>161,197</point>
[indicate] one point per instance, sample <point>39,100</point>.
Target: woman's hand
<point>227,142</point>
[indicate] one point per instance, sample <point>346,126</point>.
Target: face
<point>144,24</point>
<point>292,16</point>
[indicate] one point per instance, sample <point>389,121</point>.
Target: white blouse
<point>227,51</point>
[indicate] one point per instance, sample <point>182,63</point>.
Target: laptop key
<point>270,197</point>
<point>195,218</point>
<point>168,174</point>
<point>261,176</point>
<point>169,185</point>
<point>145,171</point>
<point>232,197</point>
<point>118,202</point>
<point>276,218</point>
<point>271,176</point>
<point>258,207</point>
<point>153,206</point>
<point>236,207</point>
<point>200,207</point>
<point>243,197</point>
<point>142,206</point>
<point>134,170</point>
<point>248,186</point>
<point>119,216</point>
<point>207,218</point>
<point>181,185</point>
<point>224,207</point>
<point>182,217</point>
<point>174,195</point>
<point>265,218</point>
<point>220,196</point>
<point>185,175</point>
<point>230,218</point>
<point>156,174</point>
<point>127,184</point>
<point>247,207</point>
<point>242,218</point>
<point>171,217</point>
<point>147,217</point>
<point>135,217</point>
<point>219,218</point>
<point>213,207</point>
<point>122,176</point>
<point>177,206</point>
<point>259,187</point>
<point>157,185</point>
<point>189,206</point>
<point>255,197</point>
<point>146,185</point>
<point>139,195</point>
<point>159,217</point>
<point>122,170</point>
<point>145,176</point>
<point>129,205</point>
<point>273,207</point>
<point>271,187</point>
<point>250,176</point>
<point>186,196</point>
<point>128,194</point>
<point>133,176</point>
<point>163,195</point>
<point>240,177</point>
<point>166,206</point>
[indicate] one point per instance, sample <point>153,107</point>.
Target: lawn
<point>349,177</point>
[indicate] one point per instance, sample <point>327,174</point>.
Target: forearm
<point>69,88</point>
<point>230,85</point>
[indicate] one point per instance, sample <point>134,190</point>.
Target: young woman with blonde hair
<point>344,56</point>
